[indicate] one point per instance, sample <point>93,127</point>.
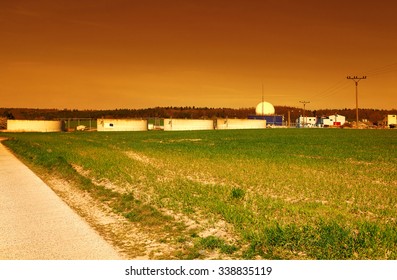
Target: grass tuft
<point>213,242</point>
<point>237,193</point>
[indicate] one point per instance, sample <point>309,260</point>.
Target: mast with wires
<point>356,79</point>
<point>263,109</point>
<point>304,109</point>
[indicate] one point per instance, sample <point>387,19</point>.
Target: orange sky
<point>97,54</point>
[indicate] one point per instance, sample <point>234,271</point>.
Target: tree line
<point>187,112</point>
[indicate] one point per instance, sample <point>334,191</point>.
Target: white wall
<point>186,124</point>
<point>33,126</point>
<point>121,125</point>
<point>240,124</point>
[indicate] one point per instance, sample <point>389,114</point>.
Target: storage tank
<point>187,124</point>
<point>34,126</point>
<point>122,125</point>
<point>264,108</point>
<point>240,124</point>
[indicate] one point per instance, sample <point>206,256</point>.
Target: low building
<point>332,120</point>
<point>271,120</point>
<point>325,121</point>
<point>306,121</point>
<point>390,121</point>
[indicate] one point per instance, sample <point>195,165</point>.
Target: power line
<point>343,84</point>
<point>389,68</point>
<point>340,85</point>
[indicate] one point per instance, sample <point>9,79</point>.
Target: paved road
<point>36,224</point>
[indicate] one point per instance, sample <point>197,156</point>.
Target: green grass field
<point>274,193</point>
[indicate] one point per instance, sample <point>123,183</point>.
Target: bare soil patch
<point>133,241</point>
<point>142,158</point>
<point>128,238</point>
<point>98,182</point>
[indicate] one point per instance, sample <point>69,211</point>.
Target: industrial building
<point>306,121</point>
<point>325,121</point>
<point>332,120</point>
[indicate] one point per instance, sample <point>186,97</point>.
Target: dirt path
<point>36,224</point>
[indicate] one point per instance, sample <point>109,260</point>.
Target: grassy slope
<point>311,193</point>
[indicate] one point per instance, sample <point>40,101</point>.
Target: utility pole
<point>263,100</point>
<point>304,109</point>
<point>356,80</point>
<point>289,118</point>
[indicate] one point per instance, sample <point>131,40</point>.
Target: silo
<point>122,125</point>
<point>187,124</point>
<point>240,124</point>
<point>34,126</point>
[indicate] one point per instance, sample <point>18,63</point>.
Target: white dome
<point>264,108</point>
